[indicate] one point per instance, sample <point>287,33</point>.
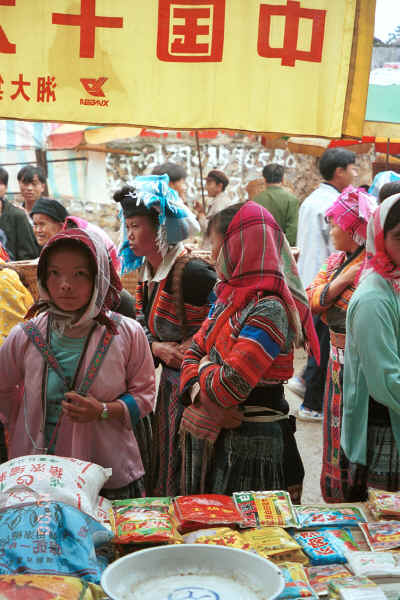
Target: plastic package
<point>317,516</point>
<point>320,547</point>
<point>296,582</point>
<point>383,535</point>
<point>198,511</point>
<point>47,587</point>
<point>319,577</point>
<point>374,564</point>
<point>266,509</point>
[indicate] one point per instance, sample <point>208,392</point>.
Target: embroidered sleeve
<point>261,338</point>
<point>190,364</point>
<point>317,291</point>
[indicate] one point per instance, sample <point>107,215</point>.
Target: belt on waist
<point>337,354</point>
<point>337,339</point>
<point>269,416</point>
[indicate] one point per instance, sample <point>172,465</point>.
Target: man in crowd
<point>216,184</point>
<point>337,168</point>
<point>176,174</point>
<point>282,205</point>
<point>18,236</point>
<point>32,184</point>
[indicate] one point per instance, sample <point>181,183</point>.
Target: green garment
<point>68,352</point>
<point>372,362</point>
<point>284,207</point>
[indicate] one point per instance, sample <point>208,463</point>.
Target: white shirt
<point>220,202</point>
<point>313,238</point>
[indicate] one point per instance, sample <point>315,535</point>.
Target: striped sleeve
<point>316,291</point>
<point>260,341</point>
<point>190,364</point>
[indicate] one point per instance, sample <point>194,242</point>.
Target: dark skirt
<point>144,438</point>
<point>135,489</point>
<point>255,456</point>
<point>333,476</point>
<point>166,458</point>
<point>382,470</point>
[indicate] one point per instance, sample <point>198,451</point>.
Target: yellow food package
<point>275,544</point>
<point>220,536</point>
<point>47,587</point>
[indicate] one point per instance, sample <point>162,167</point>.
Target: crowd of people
<point>78,362</point>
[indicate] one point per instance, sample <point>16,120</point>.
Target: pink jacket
<point>127,368</point>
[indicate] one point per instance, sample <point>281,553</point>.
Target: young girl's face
<point>69,279</point>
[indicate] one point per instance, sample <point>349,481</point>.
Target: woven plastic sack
<point>51,538</point>
<point>48,477</point>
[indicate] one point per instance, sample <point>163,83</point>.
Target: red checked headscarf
<point>256,257</point>
<point>106,288</point>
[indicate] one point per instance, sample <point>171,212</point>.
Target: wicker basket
<point>27,271</point>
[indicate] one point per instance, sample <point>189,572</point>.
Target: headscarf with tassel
<point>106,288</point>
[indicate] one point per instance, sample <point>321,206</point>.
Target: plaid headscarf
<point>176,221</point>
<point>351,211</point>
<point>377,258</point>
<point>106,288</point>
<point>256,257</point>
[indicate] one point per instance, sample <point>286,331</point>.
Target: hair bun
<point>119,195</point>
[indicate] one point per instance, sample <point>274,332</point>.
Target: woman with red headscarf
<point>329,295</point>
<point>87,373</point>
<point>237,433</point>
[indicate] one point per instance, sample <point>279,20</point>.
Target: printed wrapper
<point>325,516</point>
<point>275,544</point>
<point>144,520</point>
<point>319,577</point>
<point>198,511</point>
<point>354,588</point>
<point>48,587</point>
<point>374,564</point>
<point>220,536</point>
<point>296,582</point>
<point>321,547</point>
<point>382,535</point>
<point>384,505</point>
<point>266,509</point>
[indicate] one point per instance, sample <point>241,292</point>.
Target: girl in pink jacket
<point>87,374</point>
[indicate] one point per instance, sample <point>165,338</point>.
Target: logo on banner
<point>94,87</point>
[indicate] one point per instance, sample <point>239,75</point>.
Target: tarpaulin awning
<point>289,66</point>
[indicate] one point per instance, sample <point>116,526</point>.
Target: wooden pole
<point>201,171</point>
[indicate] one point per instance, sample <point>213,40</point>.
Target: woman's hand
<point>185,345</point>
<point>350,274</point>
<point>169,353</point>
<point>81,409</point>
<point>227,418</point>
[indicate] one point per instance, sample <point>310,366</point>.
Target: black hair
<point>26,174</point>
<point>132,209</point>
<point>388,189</point>
<point>273,173</point>
<point>66,244</point>
<point>3,176</point>
<point>392,219</point>
<point>221,220</point>
<point>334,158</point>
<point>175,172</point>
<point>218,177</point>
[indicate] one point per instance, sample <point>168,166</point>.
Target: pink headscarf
<point>351,211</point>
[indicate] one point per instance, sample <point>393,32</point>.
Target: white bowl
<point>192,571</point>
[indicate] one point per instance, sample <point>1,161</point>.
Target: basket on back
<point>27,271</point>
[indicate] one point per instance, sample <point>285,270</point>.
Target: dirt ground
<point>309,441</point>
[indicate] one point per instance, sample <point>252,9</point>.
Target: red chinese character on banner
<point>1,87</point>
<point>87,21</point>
<point>20,89</point>
<point>191,30</point>
<point>45,89</point>
<point>292,12</point>
<point>5,46</point>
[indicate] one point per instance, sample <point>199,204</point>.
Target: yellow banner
<point>253,65</point>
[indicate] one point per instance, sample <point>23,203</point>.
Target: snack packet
<point>383,535</point>
<point>374,564</point>
<point>221,536</point>
<point>343,538</point>
<point>197,511</point>
<point>384,505</point>
<point>144,520</point>
<point>316,516</point>
<point>355,588</point>
<point>319,577</point>
<point>320,547</point>
<point>296,582</point>
<point>275,544</point>
<point>266,509</point>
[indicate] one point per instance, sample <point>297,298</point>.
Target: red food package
<point>195,512</point>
